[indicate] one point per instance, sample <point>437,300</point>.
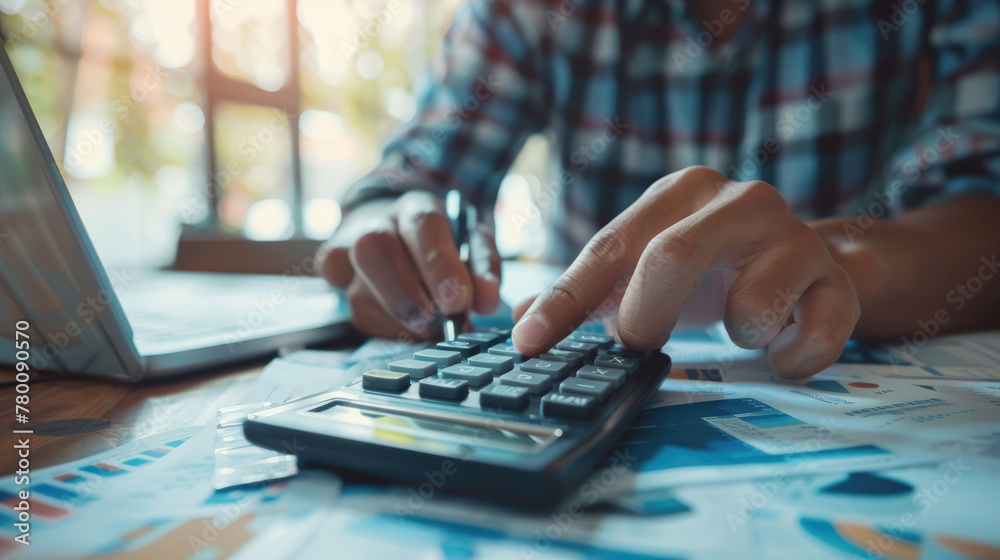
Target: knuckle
<point>376,243</point>
<point>566,295</point>
<point>635,339</point>
<point>356,298</point>
<point>750,306</point>
<point>426,218</point>
<point>610,247</point>
<point>677,251</point>
<point>828,342</point>
<point>701,173</point>
<point>758,193</point>
<point>696,176</point>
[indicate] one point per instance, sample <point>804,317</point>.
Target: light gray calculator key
<point>494,362</point>
<point>614,376</point>
<point>555,370</point>
<point>507,350</point>
<point>574,359</point>
<point>443,358</point>
<point>599,390</point>
<point>535,383</point>
<point>620,362</point>
<point>417,369</point>
<point>476,376</point>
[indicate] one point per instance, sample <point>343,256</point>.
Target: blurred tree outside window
<point>237,117</point>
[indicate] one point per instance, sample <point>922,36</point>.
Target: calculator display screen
<point>437,434</point>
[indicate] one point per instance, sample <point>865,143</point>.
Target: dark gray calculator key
<point>476,376</point>
<point>586,387</point>
<point>588,349</point>
<point>614,376</point>
<point>483,339</point>
<point>507,397</point>
<point>601,340</point>
<point>621,350</point>
<point>445,389</point>
<point>463,347</point>
<point>574,359</point>
<point>507,350</point>
<point>535,383</point>
<point>570,406</point>
<point>385,380</point>
<point>494,362</point>
<point>621,362</point>
<point>555,370</point>
<point>443,358</point>
<point>417,369</point>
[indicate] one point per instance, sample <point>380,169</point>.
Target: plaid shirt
<point>818,98</point>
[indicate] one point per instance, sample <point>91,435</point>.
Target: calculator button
<point>573,359</point>
<point>535,383</point>
<point>614,376</point>
<point>508,350</point>
<point>474,375</point>
<point>483,339</point>
<point>504,396</point>
<point>572,406</point>
<point>463,347</point>
<point>441,388</point>
<point>416,369</point>
<point>586,387</point>
<point>443,358</point>
<point>601,340</point>
<point>495,363</point>
<point>555,370</point>
<point>620,362</point>
<point>385,380</point>
<point>621,350</point>
<point>588,349</point>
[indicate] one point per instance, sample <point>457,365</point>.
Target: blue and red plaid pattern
<point>821,99</point>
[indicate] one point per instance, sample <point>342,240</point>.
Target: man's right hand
<point>398,261</point>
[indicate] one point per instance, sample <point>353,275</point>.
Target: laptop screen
<point>50,275</point>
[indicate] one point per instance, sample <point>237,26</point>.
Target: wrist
<point>856,251</point>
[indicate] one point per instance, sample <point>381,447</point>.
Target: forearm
<point>933,269</point>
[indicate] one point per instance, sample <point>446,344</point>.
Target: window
<point>236,117</point>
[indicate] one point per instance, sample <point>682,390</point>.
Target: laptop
<point>81,318</point>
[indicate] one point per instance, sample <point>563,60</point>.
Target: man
<point>703,148</point>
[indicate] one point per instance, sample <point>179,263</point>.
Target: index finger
<point>608,260</point>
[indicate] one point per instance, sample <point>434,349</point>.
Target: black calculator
<point>472,416</point>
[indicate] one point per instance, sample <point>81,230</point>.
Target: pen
<point>460,216</point>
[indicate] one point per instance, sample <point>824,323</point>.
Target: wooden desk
<point>106,414</point>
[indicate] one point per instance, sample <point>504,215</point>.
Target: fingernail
<point>531,330</point>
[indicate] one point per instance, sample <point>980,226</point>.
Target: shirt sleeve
<point>955,147</point>
<point>485,95</point>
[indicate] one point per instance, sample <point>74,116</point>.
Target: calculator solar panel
<point>474,417</point>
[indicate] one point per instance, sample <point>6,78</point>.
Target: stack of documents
<point>890,453</point>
